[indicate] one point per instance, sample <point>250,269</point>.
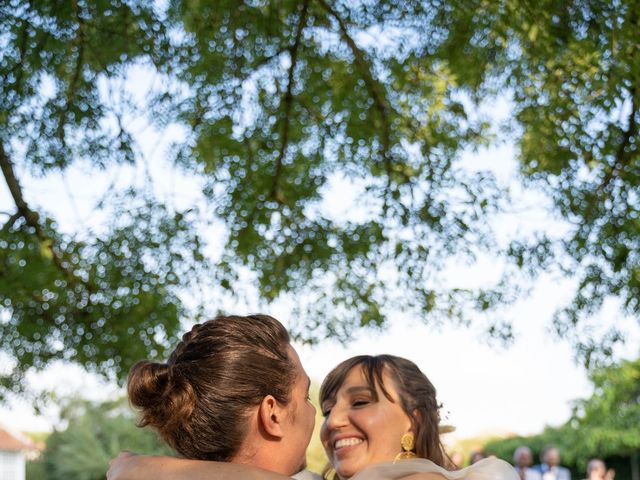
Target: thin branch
<point>372,85</point>
<point>288,103</point>
<point>16,191</point>
<point>622,159</point>
<point>78,44</point>
<point>32,218</point>
<point>18,68</point>
<point>265,60</point>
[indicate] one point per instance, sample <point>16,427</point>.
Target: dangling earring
<point>408,442</point>
<point>330,473</point>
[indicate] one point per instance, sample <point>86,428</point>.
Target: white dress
<point>486,469</point>
<point>306,475</point>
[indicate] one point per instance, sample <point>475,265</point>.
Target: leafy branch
<point>373,86</point>
<point>32,219</point>
<point>288,103</point>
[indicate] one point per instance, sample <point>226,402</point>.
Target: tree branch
<point>78,45</point>
<point>377,94</point>
<point>6,166</point>
<point>265,60</point>
<point>18,68</point>
<point>32,219</point>
<point>288,103</point>
<point>622,159</point>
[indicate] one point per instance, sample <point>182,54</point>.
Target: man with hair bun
<point>233,390</point>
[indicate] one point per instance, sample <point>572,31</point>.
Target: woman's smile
<point>347,442</point>
<point>362,425</point>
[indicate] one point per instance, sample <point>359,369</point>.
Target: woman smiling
<point>376,409</point>
<point>381,422</point>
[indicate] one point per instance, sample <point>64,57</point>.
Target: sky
<point>484,387</point>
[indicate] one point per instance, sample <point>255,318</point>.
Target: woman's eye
<point>359,403</point>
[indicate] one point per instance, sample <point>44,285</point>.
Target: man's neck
<point>264,456</point>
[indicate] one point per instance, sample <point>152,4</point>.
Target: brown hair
<point>417,397</point>
<point>199,400</point>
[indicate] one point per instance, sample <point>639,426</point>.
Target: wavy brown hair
<point>199,400</point>
<point>417,397</point>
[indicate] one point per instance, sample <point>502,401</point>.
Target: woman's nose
<point>337,417</point>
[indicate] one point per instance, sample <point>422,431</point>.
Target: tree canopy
<point>281,104</point>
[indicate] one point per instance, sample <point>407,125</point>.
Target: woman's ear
<point>416,418</point>
<point>271,416</point>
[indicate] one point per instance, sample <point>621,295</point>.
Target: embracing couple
<point>233,402</point>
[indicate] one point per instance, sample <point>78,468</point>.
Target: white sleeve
<point>487,469</point>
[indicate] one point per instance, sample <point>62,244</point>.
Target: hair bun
<point>166,399</point>
<point>147,383</point>
<point>178,402</point>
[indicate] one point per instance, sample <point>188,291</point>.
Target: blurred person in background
<point>550,468</point>
<point>522,460</point>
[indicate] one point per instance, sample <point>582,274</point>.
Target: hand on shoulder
<point>119,465</point>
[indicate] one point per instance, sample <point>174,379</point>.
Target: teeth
<point>347,442</point>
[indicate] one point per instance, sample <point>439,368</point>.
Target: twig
<point>288,103</point>
<point>622,158</point>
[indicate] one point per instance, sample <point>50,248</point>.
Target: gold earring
<point>329,473</point>
<point>408,442</point>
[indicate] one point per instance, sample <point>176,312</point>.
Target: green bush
<point>95,434</point>
<point>35,470</point>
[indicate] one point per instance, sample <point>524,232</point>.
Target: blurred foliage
<point>95,434</point>
<point>316,457</point>
<point>35,470</point>
<point>107,298</point>
<point>606,425</point>
<point>283,102</point>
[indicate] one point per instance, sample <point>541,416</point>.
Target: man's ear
<point>271,415</point>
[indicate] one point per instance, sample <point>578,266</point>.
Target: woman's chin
<point>345,472</point>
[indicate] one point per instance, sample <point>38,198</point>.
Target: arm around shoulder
<point>129,466</point>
